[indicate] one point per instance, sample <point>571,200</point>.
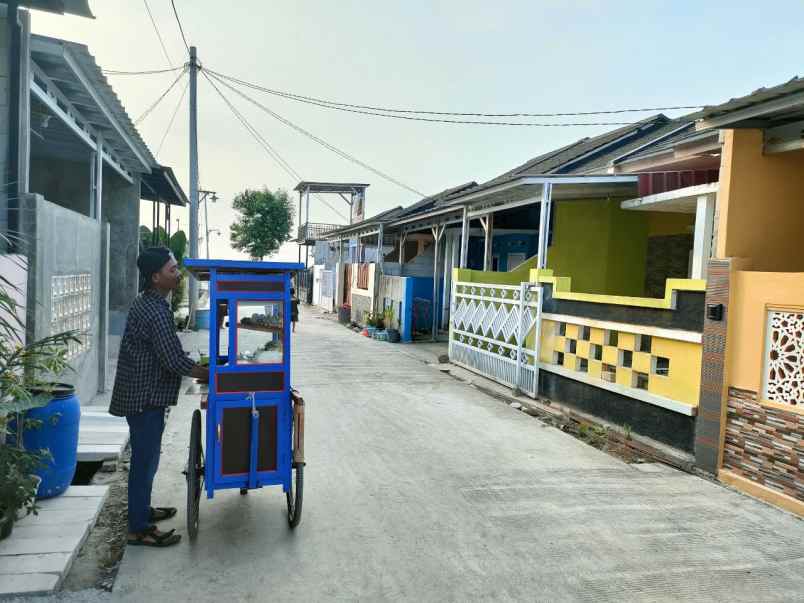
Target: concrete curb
<point>37,556</point>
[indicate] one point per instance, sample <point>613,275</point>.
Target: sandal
<point>162,513</point>
<point>153,537</point>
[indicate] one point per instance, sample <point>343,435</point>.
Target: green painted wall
<point>600,246</point>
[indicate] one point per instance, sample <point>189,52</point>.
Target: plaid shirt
<point>152,361</point>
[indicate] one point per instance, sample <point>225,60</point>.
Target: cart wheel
<point>243,491</point>
<point>195,471</point>
<point>294,496</point>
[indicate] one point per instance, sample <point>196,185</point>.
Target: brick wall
<point>765,445</point>
<point>708,426</point>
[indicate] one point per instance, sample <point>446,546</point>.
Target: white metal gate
<point>494,330</point>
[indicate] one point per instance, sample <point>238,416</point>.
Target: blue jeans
<point>145,437</point>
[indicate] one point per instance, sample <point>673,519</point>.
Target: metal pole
<point>544,220</point>
<point>193,289</point>
<point>299,226</point>
<point>520,337</point>
<point>437,232</point>
<point>206,222</point>
<point>464,237</point>
<point>14,86</point>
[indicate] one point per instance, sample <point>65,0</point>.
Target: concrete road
<point>420,488</point>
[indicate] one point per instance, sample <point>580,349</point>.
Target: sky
<point>533,56</point>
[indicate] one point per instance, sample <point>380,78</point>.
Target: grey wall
<point>65,183</point>
<point>121,209</point>
<point>62,242</point>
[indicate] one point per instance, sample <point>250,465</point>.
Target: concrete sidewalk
<point>41,549</point>
<point>419,487</point>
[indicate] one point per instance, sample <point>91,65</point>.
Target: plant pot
<point>6,523</point>
<point>394,336</point>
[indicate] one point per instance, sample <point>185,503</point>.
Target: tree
<point>264,221</point>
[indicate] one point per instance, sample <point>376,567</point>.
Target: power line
<point>144,72</point>
<point>158,35</point>
<point>321,141</point>
<point>172,118</point>
<point>155,104</point>
<point>181,29</point>
<point>274,154</point>
<point>335,104</point>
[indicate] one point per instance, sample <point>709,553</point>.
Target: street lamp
<point>204,195</point>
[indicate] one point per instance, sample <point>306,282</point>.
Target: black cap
<point>151,261</point>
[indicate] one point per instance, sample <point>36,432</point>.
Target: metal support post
<point>544,223</point>
<point>438,232</point>
<point>193,288</point>
<point>464,237</point>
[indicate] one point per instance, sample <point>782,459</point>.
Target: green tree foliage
<point>178,246</point>
<point>264,221</point>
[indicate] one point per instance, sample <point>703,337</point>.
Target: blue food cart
<point>254,432</point>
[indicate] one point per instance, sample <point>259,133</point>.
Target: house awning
<point>68,81</point>
<point>763,108</point>
<point>160,185</point>
<point>330,187</point>
<point>681,200</point>
<point>526,190</point>
<point>62,7</point>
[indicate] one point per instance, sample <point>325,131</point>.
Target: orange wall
<point>761,203</point>
<point>752,292</point>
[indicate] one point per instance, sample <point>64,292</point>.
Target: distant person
<point>149,372</point>
<point>294,308</point>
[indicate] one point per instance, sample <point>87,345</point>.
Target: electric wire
<point>172,118</point>
<point>144,72</point>
<point>334,104</point>
<point>181,29</point>
<point>155,104</point>
<point>321,141</point>
<point>272,152</point>
<point>158,35</point>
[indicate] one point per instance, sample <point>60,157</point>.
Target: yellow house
<point>750,425</point>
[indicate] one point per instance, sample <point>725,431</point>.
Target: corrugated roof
<point>60,57</point>
<point>757,97</point>
<point>435,201</point>
<point>61,7</point>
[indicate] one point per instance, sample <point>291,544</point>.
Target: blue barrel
<point>57,433</point>
<point>202,319</point>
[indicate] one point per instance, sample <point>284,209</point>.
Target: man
<point>150,368</point>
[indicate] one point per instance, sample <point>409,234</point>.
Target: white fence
<point>494,330</point>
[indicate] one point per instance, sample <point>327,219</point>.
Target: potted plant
<point>24,385</point>
<point>393,334</point>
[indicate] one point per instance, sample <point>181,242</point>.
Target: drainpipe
<point>14,86</point>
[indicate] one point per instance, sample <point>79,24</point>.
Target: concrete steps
<point>101,436</point>
<point>41,549</point>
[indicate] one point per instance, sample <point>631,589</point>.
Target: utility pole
<point>206,214</point>
<point>193,181</point>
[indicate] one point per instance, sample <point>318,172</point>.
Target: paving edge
<point>60,577</point>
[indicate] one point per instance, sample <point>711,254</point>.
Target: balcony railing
<point>315,231</point>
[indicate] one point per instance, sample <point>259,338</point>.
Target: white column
<point>438,232</point>
<point>98,184</point>
<point>488,226</point>
<point>448,243</point>
<point>402,240</point>
<point>464,237</point>
<point>702,242</point>
<point>544,222</point>
<point>380,237</point>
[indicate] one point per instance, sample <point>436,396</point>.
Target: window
<point>571,346</point>
<point>626,358</point>
<point>643,343</point>
<point>584,333</point>
<point>611,338</point>
<point>260,332</point>
<point>558,358</point>
<point>596,351</point>
<point>562,329</point>
<point>661,366</point>
<point>640,380</point>
<point>582,365</point>
<point>609,373</point>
